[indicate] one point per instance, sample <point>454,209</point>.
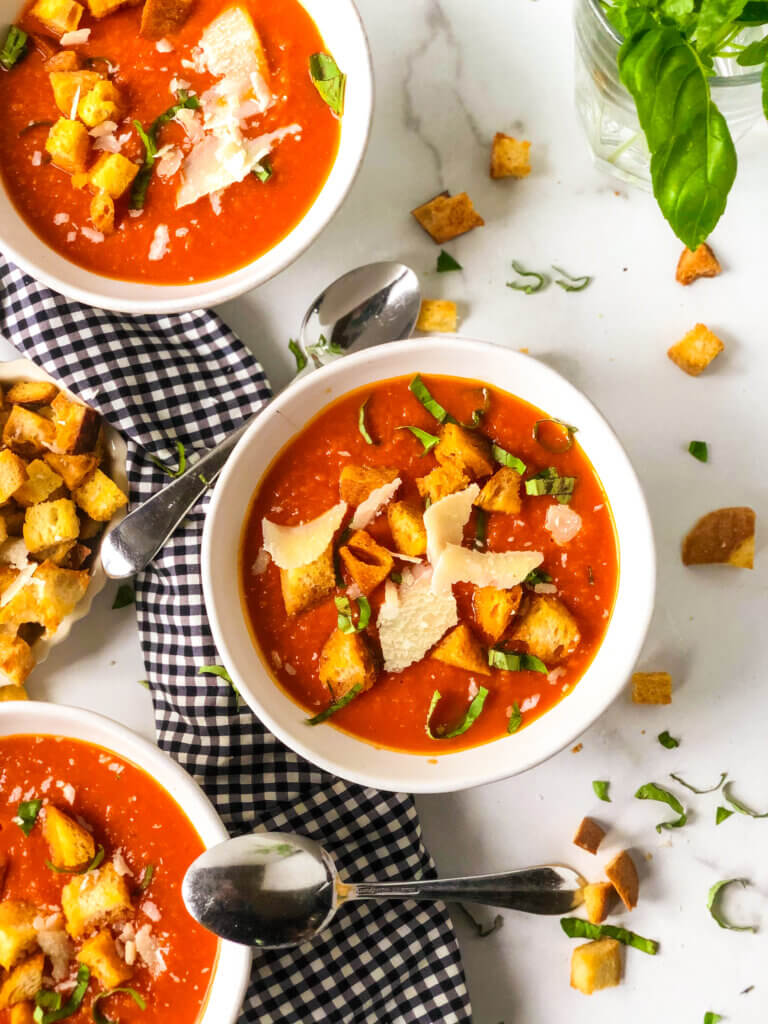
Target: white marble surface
<point>450,74</point>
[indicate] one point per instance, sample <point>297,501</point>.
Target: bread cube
<point>98,898</point>
<point>596,965</point>
<point>102,213</point>
<point>501,493</point>
<point>13,474</point>
<point>346,662</point>
<point>510,157</point>
<point>725,536</point>
<point>623,874</point>
<point>17,932</point>
<point>3,529</point>
<point>441,482</point>
<point>548,629</point>
<point>16,660</point>
<point>702,262</point>
<point>41,482</point>
<point>100,954</point>
<point>76,425</point>
<point>70,845</point>
<point>113,173</point>
<point>466,449</point>
<point>367,562</point>
<point>101,8</point>
<point>59,16</point>
<point>493,609</point>
<point>65,85</point>
<point>99,497</point>
<point>437,315</point>
<point>696,350</point>
<point>406,524</point>
<point>27,433</point>
<point>357,482</point>
<point>22,1013</point>
<point>49,597</point>
<point>161,18</point>
<point>445,217</point>
<point>50,522</point>
<point>73,469</point>
<point>104,102</point>
<point>64,60</point>
<point>589,835</point>
<point>68,144</point>
<point>652,688</point>
<point>23,983</point>
<point>13,517</point>
<point>306,586</point>
<point>31,392</point>
<point>13,693</point>
<point>76,557</point>
<point>598,900</point>
<point>461,648</point>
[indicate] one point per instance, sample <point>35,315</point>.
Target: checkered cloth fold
<point>162,379</point>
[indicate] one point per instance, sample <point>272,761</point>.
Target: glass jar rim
<point>716,81</point>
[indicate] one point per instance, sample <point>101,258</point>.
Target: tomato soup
<point>92,855</point>
<point>505,638</point>
<point>211,141</point>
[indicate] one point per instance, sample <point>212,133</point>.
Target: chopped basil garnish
<point>421,392</point>
<point>329,81</point>
<point>559,449</point>
<point>600,786</point>
<point>446,263</point>
<point>472,713</point>
<point>149,140</point>
<point>477,414</point>
<point>650,791</point>
<point>14,47</point>
<point>146,878</point>
<point>344,619</point>
<point>537,576</point>
<point>481,527</point>
<point>511,661</point>
<point>540,280</point>
<point>505,458</point>
<point>69,1008</point>
<point>337,705</point>
<point>95,862</point>
<point>737,805</point>
<point>549,482</point>
<point>713,905</point>
<point>263,170</point>
<point>27,815</point>
<point>182,454</point>
<point>699,450</point>
<point>124,596</point>
<point>396,577</point>
<point>361,423</point>
<point>46,999</point>
<point>298,354</point>
<point>221,672</point>
<point>429,441</point>
<point>572,284</point>
<point>99,1017</point>
<point>668,741</point>
<point>578,928</point>
<point>515,719</point>
<point>693,789</point>
<point>483,931</point>
<point>712,1018</point>
<point>722,814</point>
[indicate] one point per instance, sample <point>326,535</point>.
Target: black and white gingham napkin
<point>162,379</point>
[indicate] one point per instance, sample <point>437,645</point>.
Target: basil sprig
<point>14,47</point>
<point>713,905</point>
<point>569,283</point>
<point>650,791</point>
<point>472,712</point>
<point>738,806</point>
<point>329,81</point>
<point>337,705</point>
<point>181,452</point>
<point>693,789</point>
<point>344,619</point>
<point>548,482</point>
<point>151,146</point>
<point>505,458</point>
<point>512,661</point>
<point>578,928</point>
<point>99,1017</point>
<point>46,1001</point>
<point>539,282</point>
<point>27,815</point>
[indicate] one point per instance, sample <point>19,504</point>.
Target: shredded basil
<point>578,928</point>
<point>46,999</point>
<point>429,441</point>
<point>263,170</point>
<point>27,815</point>
<point>572,284</point>
<point>298,354</point>
<point>421,392</point>
<point>337,705</point>
<point>650,791</point>
<point>472,713</point>
<point>94,863</point>
<point>737,805</point>
<point>668,741</point>
<point>324,347</point>
<point>221,672</point>
<point>722,814</point>
<point>515,719</point>
<point>531,288</point>
<point>180,468</point>
<point>549,482</point>
<point>505,458</point>
<point>693,789</point>
<point>712,1018</point>
<point>713,905</point>
<point>344,619</point>
<point>699,450</point>
<point>537,576</point>
<point>146,878</point>
<point>483,931</point>
<point>144,683</point>
<point>99,1017</point>
<point>511,661</point>
<point>329,81</point>
<point>361,423</point>
<point>124,596</point>
<point>14,47</point>
<point>149,140</point>
<point>481,527</point>
<point>69,1008</point>
<point>446,263</point>
<point>568,440</point>
<point>601,786</point>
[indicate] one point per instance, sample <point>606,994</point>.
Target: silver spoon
<point>367,306</point>
<point>275,890</point>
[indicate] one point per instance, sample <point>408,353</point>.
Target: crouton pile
<point>54,502</point>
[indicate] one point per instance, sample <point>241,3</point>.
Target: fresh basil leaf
<point>568,440</point>
<point>713,905</point>
<point>572,284</point>
<point>722,814</point>
<point>511,661</point>
<point>539,282</point>
<point>146,878</point>
<point>71,1006</point>
<point>650,791</point>
<point>600,786</point>
<point>693,789</point>
<point>125,596</point>
<point>469,718</point>
<point>515,719</point>
<point>481,527</point>
<point>549,483</point>
<point>699,450</point>
<point>344,618</point>
<point>221,672</point>
<point>678,9</point>
<point>667,741</point>
<point>180,468</point>
<point>328,80</point>
<point>27,815</point>
<point>337,705</point>
<point>298,354</point>
<point>149,140</point>
<point>263,170</point>
<point>99,1017</point>
<point>144,683</point>
<point>578,928</point>
<point>421,392</point>
<point>754,13</point>
<point>713,23</point>
<point>361,423</point>
<point>712,1018</point>
<point>446,263</point>
<point>46,999</point>
<point>429,441</point>
<point>483,931</point>
<point>753,54</point>
<point>505,458</point>
<point>14,47</point>
<point>737,805</point>
<point>693,159</point>
<point>764,89</point>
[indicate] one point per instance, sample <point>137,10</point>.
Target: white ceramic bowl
<point>341,28</point>
<point>233,967</point>
<point>343,754</point>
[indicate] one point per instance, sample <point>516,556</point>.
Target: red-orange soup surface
<point>138,824</point>
<point>303,482</point>
<point>208,238</point>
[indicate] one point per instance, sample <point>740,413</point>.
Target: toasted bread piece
<point>76,425</point>
<point>13,474</point>
<point>13,692</point>
<point>346,662</point>
<point>32,392</point>
<point>589,835</point>
<point>27,433</point>
<point>48,597</point>
<point>367,562</point>
<point>40,484</point>
<point>502,492</point>
<point>58,16</point>
<point>621,871</point>
<point>445,217</point>
<point>70,845</point>
<point>406,524</point>
<point>64,60</point>
<point>99,497</point>
<point>306,586</point>
<point>101,8</point>
<point>161,18</point>
<point>442,481</point>
<point>702,262</point>
<point>548,629</point>
<point>599,898</point>
<point>16,661</point>
<point>65,85</point>
<point>17,931</point>
<point>696,350</point>
<point>98,898</point>
<point>50,522</point>
<point>100,954</point>
<point>596,965</point>
<point>437,315</point>
<point>461,648</point>
<point>73,469</point>
<point>23,983</point>
<point>493,609</point>
<point>466,449</point>
<point>356,483</point>
<point>725,537</point>
<point>510,157</point>
<point>652,688</point>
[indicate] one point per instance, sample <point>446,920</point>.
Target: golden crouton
<point>26,432</point>
<point>445,217</point>
<point>13,693</point>
<point>466,449</point>
<point>101,8</point>
<point>725,536</point>
<point>696,350</point>
<point>23,983</point>
<point>97,898</point>
<point>346,662</point>
<point>76,425</point>
<point>406,524</point>
<point>73,469</point>
<point>50,596</point>
<point>16,661</point>
<point>702,262</point>
<point>13,518</point>
<point>367,562</point>
<point>161,18</point>
<point>50,522</point>
<point>652,688</point>
<point>623,874</point>
<point>442,481</point>
<point>31,392</point>
<point>589,835</point>
<point>304,587</point>
<point>41,483</point>
<point>510,158</point>
<point>3,529</point>
<point>548,629</point>
<point>461,648</point>
<point>102,213</point>
<point>17,932</point>
<point>64,60</point>
<point>13,474</point>
<point>76,557</point>
<point>596,965</point>
<point>99,497</point>
<point>100,954</point>
<point>501,493</point>
<point>437,315</point>
<point>70,845</point>
<point>59,16</point>
<point>22,1013</point>
<point>598,901</point>
<point>357,482</point>
<point>493,609</point>
<point>65,85</point>
<point>104,102</point>
<point>113,173</point>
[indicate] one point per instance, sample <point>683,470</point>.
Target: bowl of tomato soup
<point>429,566</point>
<point>158,167</point>
<point>93,849</point>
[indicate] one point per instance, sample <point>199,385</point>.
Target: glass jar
<point>607,110</point>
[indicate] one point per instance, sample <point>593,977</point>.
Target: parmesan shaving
<point>294,546</point>
<point>57,947</point>
<point>563,523</point>
<point>500,569</point>
<point>164,46</point>
<point>260,563</point>
<point>445,520</point>
<point>367,510</point>
<point>159,245</point>
<point>410,628</point>
<point>80,35</point>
